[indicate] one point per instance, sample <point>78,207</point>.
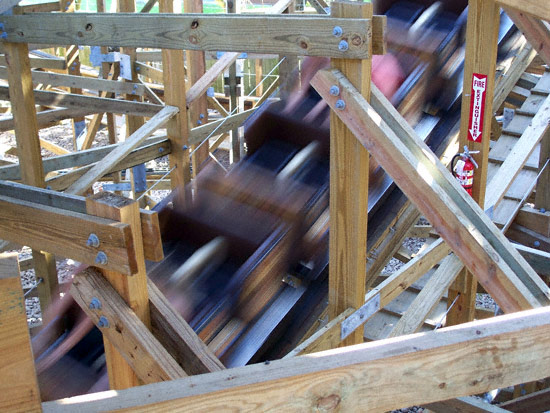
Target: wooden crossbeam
<point>349,377</point>
<point>178,337</point>
<point>46,118</point>
<point>114,157</point>
<point>535,31</point>
<point>452,212</point>
<point>464,405</point>
<point>96,104</point>
<point>41,62</point>
<point>19,386</point>
<point>81,82</point>
<point>534,8</point>
<point>198,134</point>
<point>522,150</point>
<point>139,347</point>
<point>65,233</point>
<point>195,32</point>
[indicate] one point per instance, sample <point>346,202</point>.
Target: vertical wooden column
<point>259,70</point>
<point>133,123</point>
<point>288,65</point>
<point>133,289</point>
<point>481,54</point>
<point>349,181</point>
<point>28,151</point>
<point>19,386</point>
<point>542,197</point>
<point>235,155</point>
<point>196,66</point>
<point>177,127</point>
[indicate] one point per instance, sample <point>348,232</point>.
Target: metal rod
<point>440,323</point>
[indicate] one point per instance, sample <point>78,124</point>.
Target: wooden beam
<point>348,377</point>
<point>534,219</point>
<point>101,168</point>
<point>7,5</point>
<point>349,182</point>
<point>139,347</point>
<point>37,8</point>
<point>519,155</point>
<point>81,82</point>
<point>464,405</point>
<point>19,390</point>
<point>178,337</point>
<point>132,289</point>
<point>198,134</point>
<point>42,62</point>
<point>177,128</point>
<point>45,118</point>
<point>65,233</point>
<point>273,34</point>
<point>542,197</point>
<point>535,31</point>
<point>534,402</point>
<point>28,150</point>
<point>428,298</point>
<point>530,7</point>
<point>96,104</point>
<point>438,195</point>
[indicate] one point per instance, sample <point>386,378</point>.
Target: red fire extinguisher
<point>464,169</point>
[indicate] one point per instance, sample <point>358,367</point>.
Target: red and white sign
<point>477,107</point>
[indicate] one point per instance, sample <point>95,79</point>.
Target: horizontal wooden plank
<point>292,35</point>
<point>42,62</point>
<point>95,104</point>
<point>534,220</point>
<point>497,352</point>
<point>64,233</point>
<point>81,82</point>
<point>46,118</point>
<point>86,157</point>
<point>139,347</point>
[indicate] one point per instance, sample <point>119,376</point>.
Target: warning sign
<point>477,107</point>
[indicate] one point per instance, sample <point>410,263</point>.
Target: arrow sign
<point>477,107</point>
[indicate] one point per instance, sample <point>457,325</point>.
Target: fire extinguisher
<point>464,169</point>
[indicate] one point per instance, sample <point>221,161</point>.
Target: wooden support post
<point>235,153</point>
<point>28,151</point>
<point>290,62</point>
<point>19,386</point>
<point>480,59</point>
<point>196,67</point>
<point>258,71</point>
<point>349,181</point>
<point>178,127</point>
<point>542,197</point>
<point>132,289</point>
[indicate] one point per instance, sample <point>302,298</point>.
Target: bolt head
<point>103,322</point>
<point>161,150</point>
<point>199,122</point>
<point>536,244</point>
<point>95,304</point>
<point>334,90</point>
<point>185,147</point>
<point>101,258</point>
<point>93,241</point>
<point>340,104</point>
<point>201,116</point>
<point>343,46</point>
<point>337,31</point>
<point>4,35</point>
<point>542,210</point>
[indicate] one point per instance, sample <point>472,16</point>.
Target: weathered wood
<point>41,62</point>
<point>132,289</point>
<point>534,219</point>
<point>305,35</point>
<point>531,7</point>
<point>534,402</point>
<point>139,347</point>
<point>535,31</point>
<point>95,104</point>
<point>349,182</point>
<point>428,298</point>
<point>19,390</point>
<point>439,197</point>
<point>542,197</point>
<point>178,127</point>
<point>178,337</point>
<point>37,8</point>
<point>323,338</point>
<point>464,405</point>
<point>519,155</point>
<point>198,134</point>
<point>46,118</point>
<point>539,260</point>
<point>349,377</point>
<point>65,233</point>
<point>115,156</point>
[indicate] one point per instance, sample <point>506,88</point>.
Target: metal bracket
<point>350,324</point>
<point>97,58</point>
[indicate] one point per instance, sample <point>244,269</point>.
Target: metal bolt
<point>93,241</point>
<point>95,304</point>
<point>337,31</point>
<point>340,104</point>
<point>2,26</point>
<point>101,258</point>
<point>185,147</point>
<point>201,116</point>
<point>161,150</point>
<point>542,210</point>
<point>138,69</point>
<point>334,90</point>
<point>343,46</point>
<point>4,35</point>
<point>199,122</point>
<point>48,187</point>
<point>103,322</point>
<point>536,244</point>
